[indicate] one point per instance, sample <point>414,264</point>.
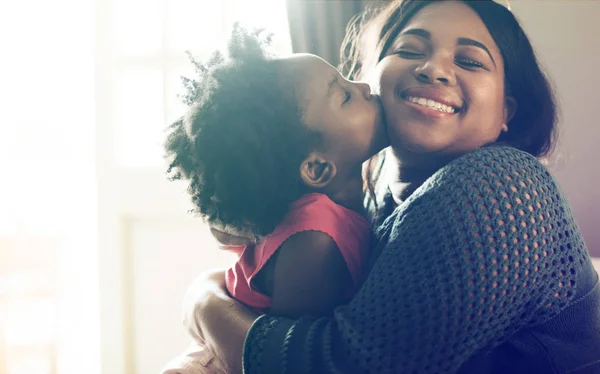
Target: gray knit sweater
<point>482,270</point>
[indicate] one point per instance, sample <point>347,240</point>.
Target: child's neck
<point>349,193</point>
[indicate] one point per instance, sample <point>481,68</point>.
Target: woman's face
<point>442,85</point>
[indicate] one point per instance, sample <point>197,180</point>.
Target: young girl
<point>273,149</point>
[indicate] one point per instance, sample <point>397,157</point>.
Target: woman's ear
<point>316,171</point>
<point>510,108</point>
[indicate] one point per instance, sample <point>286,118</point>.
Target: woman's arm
<point>225,324</point>
<point>214,318</point>
<point>308,275</point>
<point>467,263</point>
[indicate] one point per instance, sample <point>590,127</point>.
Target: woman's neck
<point>405,178</point>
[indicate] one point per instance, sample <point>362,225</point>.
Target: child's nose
<point>365,90</point>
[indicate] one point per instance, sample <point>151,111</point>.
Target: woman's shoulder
<point>493,171</point>
<point>496,165</point>
<point>494,174</point>
<point>494,159</point>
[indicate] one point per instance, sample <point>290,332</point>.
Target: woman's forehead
<point>450,19</point>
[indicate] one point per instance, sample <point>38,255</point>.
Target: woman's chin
<point>418,137</point>
<point>420,151</point>
<point>420,143</point>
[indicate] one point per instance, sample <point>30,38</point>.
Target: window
<point>142,216</point>
<point>148,41</point>
<point>48,266</point>
<point>91,86</point>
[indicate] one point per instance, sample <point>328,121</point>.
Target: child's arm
<point>308,276</point>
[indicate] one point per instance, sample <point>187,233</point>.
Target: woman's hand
<point>212,317</point>
<point>215,319</point>
<point>211,283</point>
<point>197,296</point>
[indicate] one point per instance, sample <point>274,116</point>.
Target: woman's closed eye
<point>409,53</point>
<point>412,53</point>
<point>469,64</point>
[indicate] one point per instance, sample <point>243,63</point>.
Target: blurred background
<point>96,247</point>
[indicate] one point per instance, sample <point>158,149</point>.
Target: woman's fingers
<point>196,297</point>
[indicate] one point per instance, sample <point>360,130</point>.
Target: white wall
<point>565,35</point>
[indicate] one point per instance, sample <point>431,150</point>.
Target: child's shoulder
<point>317,212</point>
<point>316,256</point>
<point>324,223</point>
<point>317,209</point>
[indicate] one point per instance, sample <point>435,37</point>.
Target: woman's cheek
<point>394,129</point>
<point>376,76</point>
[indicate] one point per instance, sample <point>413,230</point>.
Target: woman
<point>479,266</point>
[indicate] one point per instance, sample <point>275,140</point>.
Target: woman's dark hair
<point>243,140</point>
<point>533,128</point>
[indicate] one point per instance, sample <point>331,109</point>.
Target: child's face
<point>344,112</point>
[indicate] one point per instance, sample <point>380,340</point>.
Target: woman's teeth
<point>428,103</point>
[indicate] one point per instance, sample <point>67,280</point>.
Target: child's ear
<point>316,171</point>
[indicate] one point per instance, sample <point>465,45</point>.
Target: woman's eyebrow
<point>475,43</point>
<point>422,33</point>
<point>417,32</point>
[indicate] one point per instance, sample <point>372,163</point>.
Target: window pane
<point>8,222</point>
<point>268,14</point>
<point>195,25</point>
<point>137,27</point>
<point>24,282</point>
<point>28,361</point>
<point>30,323</point>
<point>41,198</point>
<point>29,335</point>
<point>139,125</point>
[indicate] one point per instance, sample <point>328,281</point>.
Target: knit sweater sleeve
<point>486,247</point>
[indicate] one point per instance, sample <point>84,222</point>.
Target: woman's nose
<point>436,69</point>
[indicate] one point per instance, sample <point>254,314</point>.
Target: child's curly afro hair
<point>243,140</point>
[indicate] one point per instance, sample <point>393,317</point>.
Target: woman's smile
<point>430,101</point>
